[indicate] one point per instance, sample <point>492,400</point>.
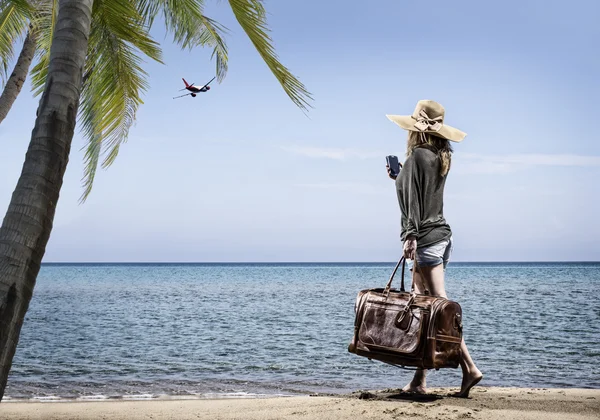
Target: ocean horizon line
<point>303,262</point>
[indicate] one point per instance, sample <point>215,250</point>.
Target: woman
<point>426,235</point>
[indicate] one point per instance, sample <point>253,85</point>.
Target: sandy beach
<point>484,403</point>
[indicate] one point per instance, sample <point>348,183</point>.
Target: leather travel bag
<point>407,329</point>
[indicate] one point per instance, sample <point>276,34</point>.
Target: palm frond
<point>14,23</point>
<point>185,20</point>
<point>252,18</point>
<point>127,23</point>
<point>211,36</point>
<point>93,150</point>
<point>114,82</point>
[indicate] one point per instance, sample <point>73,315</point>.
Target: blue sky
<point>240,174</point>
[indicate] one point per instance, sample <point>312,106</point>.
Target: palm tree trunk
<point>17,78</point>
<point>28,222</point>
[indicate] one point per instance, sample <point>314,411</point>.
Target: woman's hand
<point>410,248</point>
<point>389,171</point>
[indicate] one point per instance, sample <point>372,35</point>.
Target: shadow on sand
<point>397,395</point>
<point>407,396</point>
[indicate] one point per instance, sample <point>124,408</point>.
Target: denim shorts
<point>434,254</point>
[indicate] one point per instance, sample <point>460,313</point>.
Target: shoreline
<point>148,397</point>
<point>484,403</point>
<point>375,394</point>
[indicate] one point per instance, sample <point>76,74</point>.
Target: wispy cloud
<point>332,153</point>
<point>481,167</point>
<point>534,159</point>
<point>465,162</point>
<point>353,187</point>
<point>499,164</point>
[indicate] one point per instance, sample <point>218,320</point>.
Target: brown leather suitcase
<point>407,329</point>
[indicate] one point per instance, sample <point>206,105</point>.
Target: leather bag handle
<point>402,261</point>
<point>389,283</point>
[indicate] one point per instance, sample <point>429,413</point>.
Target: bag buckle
<point>458,322</point>
<point>403,320</point>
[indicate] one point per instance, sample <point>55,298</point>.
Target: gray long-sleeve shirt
<point>420,189</point>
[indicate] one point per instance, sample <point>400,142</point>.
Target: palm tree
<point>106,128</point>
<point>87,44</point>
<point>14,20</point>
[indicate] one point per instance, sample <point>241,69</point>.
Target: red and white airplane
<point>194,89</point>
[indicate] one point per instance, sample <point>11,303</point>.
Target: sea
<point>143,331</point>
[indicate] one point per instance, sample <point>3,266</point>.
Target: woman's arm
<point>411,196</point>
<point>411,189</point>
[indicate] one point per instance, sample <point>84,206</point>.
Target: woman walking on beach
<point>426,235</point>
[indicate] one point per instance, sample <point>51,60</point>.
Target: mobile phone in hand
<point>392,162</point>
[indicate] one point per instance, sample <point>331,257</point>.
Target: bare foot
<point>469,381</point>
<point>415,388</point>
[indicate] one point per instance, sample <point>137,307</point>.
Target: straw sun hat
<point>428,118</point>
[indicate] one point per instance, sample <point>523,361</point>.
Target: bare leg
<point>418,384</point>
<point>432,279</point>
<point>471,375</point>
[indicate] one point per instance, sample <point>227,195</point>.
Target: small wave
<point>47,398</point>
<point>92,398</point>
<point>268,368</point>
<point>211,396</point>
<point>139,397</point>
<point>146,397</point>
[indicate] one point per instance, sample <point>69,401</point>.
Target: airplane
<point>194,90</point>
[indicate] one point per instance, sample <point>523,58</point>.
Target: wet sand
<point>484,403</point>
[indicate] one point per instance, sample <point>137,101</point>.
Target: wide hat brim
<point>407,122</point>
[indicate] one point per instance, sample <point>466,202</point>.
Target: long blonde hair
<point>438,145</point>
